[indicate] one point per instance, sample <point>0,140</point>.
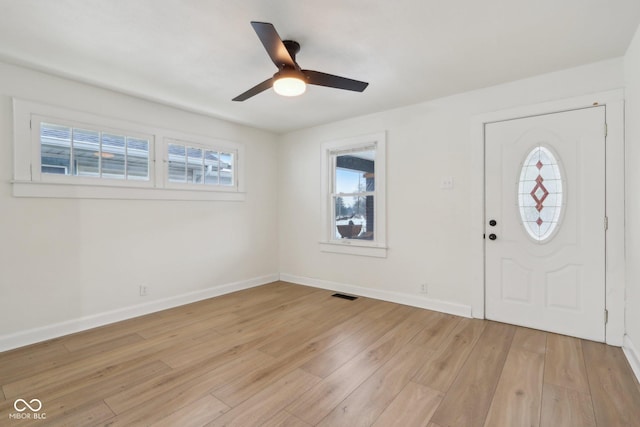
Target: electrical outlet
<point>143,291</point>
<point>424,288</point>
<point>446,183</point>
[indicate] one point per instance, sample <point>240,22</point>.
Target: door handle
<point>493,223</point>
<point>492,236</point>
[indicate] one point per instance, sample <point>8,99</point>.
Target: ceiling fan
<point>290,79</point>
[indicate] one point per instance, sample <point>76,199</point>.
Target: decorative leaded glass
<point>540,193</point>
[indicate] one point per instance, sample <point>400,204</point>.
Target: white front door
<point>545,222</point>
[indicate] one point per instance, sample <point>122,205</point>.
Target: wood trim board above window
<point>354,196</point>
<point>62,153</point>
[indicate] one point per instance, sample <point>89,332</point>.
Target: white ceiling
<point>199,54</point>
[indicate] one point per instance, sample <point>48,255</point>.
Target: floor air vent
<point>343,296</point>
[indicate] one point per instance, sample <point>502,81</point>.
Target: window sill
<point>350,247</point>
<point>84,191</point>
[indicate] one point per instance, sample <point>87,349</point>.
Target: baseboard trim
<point>396,297</point>
<point>35,335</point>
<point>633,356</point>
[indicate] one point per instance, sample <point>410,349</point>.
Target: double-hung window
<point>74,154</point>
<point>353,196</point>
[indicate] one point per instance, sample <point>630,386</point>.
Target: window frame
<point>29,181</point>
<point>330,151</point>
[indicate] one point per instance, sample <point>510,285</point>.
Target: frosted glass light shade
<point>289,86</point>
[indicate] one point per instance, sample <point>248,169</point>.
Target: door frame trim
<point>614,199</point>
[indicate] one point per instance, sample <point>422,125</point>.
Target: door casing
<point>614,238</point>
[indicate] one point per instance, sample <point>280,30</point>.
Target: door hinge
<point>606,129</point>
<point>606,223</point>
<point>606,316</point>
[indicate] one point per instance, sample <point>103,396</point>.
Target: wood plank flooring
<point>289,355</point>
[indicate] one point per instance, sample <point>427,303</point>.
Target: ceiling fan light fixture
<point>291,80</point>
<point>289,84</point>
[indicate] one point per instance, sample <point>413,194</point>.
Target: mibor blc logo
<point>27,410</point>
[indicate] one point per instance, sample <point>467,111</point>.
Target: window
<point>353,195</point>
<point>540,194</point>
<point>189,163</point>
<point>81,151</point>
<point>72,154</point>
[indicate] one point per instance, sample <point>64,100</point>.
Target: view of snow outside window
<point>354,194</point>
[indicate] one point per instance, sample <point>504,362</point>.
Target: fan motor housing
<point>293,47</point>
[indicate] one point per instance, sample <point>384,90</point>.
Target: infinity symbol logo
<point>37,405</point>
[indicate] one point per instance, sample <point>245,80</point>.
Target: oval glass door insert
<point>540,194</point>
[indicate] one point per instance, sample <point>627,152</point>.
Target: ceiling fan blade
<point>329,80</point>
<point>260,87</point>
<point>273,44</point>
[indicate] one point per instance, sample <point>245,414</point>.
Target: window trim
<point>377,247</point>
<point>28,181</point>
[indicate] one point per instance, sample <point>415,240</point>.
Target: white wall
<point>632,148</point>
<point>68,259</point>
<point>429,229</point>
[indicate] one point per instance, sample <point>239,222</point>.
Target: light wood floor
<point>288,355</point>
